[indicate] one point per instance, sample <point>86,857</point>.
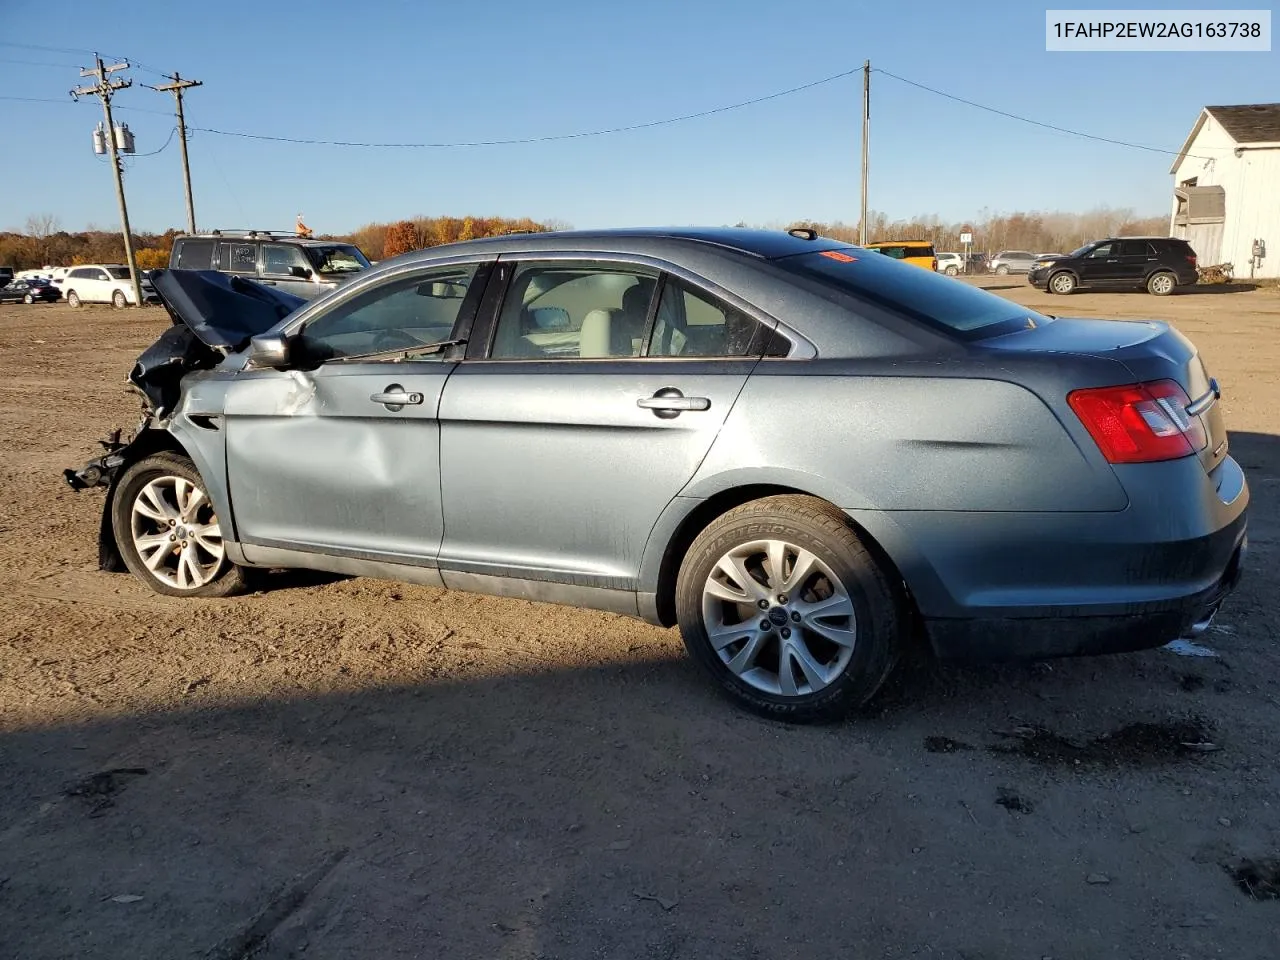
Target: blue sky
<point>431,71</point>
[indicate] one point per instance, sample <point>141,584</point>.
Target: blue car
<point>796,450</point>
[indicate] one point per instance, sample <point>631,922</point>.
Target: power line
<point>39,63</point>
<point>545,139</point>
<point>79,51</point>
<point>158,113</point>
<point>152,153</point>
<point>1038,123</point>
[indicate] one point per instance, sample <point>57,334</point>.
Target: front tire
<point>1002,271</point>
<point>780,601</point>
<point>167,532</point>
<point>952,271</point>
<point>119,300</point>
<point>1062,283</point>
<point>73,299</point>
<point>1161,284</point>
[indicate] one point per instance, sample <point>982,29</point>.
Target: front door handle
<point>269,283</point>
<point>670,402</point>
<point>396,398</point>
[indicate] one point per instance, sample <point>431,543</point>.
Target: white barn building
<point>1226,189</point>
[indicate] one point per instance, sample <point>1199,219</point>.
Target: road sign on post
<point>966,239</point>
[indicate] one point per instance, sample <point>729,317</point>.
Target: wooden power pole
<point>866,129</point>
<point>104,89</point>
<point>176,87</point>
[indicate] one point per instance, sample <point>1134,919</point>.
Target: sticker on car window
<point>837,255</point>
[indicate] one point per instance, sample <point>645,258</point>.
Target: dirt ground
<point>333,768</point>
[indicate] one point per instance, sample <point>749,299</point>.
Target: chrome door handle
<point>670,402</point>
<point>269,283</point>
<point>674,403</point>
<point>395,397</point>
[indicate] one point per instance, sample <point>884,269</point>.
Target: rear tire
<point>28,299</point>
<point>1062,283</point>
<point>1161,284</point>
<point>73,299</point>
<point>167,532</point>
<point>119,300</point>
<point>808,641</point>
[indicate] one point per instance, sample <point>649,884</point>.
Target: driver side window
<point>402,314</point>
<point>1102,250</point>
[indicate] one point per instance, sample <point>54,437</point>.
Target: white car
<point>102,283</point>
<point>951,264</point>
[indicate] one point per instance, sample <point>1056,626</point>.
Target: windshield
<point>933,298</point>
<point>119,273</point>
<point>340,258</point>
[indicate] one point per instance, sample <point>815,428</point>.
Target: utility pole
<point>104,89</point>
<point>866,130</point>
<point>176,88</point>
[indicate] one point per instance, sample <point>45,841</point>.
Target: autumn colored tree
<point>401,238</point>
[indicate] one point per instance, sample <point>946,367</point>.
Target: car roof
<point>762,244</point>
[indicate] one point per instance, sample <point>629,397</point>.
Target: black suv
<point>297,265</point>
<point>1157,264</point>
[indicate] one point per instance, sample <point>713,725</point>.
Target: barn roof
<point>1244,123</point>
<point>1250,123</point>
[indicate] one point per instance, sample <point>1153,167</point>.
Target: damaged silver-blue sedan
<point>798,451</point>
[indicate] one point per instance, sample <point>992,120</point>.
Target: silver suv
<point>298,265</point>
<point>1011,261</point>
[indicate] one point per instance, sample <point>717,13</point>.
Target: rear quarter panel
<point>872,438</point>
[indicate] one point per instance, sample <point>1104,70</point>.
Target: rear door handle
<point>670,402</point>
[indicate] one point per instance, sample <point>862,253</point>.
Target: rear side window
<point>239,257</point>
<point>922,295</point>
<point>691,324</point>
<point>194,255</point>
<point>1136,248</point>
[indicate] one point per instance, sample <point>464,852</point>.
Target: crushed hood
<point>221,310</point>
<point>213,315</point>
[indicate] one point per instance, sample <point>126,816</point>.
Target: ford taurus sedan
<point>798,451</point>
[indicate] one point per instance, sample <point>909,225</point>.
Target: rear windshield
<point>900,251</point>
<point>931,298</point>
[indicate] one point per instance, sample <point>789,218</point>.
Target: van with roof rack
<point>291,262</point>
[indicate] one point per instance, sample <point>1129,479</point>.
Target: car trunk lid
<point>1151,350</point>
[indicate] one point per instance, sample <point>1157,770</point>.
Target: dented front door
<point>343,459</point>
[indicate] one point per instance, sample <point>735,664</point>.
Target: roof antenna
<point>804,233</point>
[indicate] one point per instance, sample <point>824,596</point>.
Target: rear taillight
<point>1140,422</point>
<point>1192,259</point>
<point>935,263</point>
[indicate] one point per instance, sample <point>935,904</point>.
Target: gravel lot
<point>334,768</point>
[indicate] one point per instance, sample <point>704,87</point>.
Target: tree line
<point>1032,231</point>
<point>43,242</point>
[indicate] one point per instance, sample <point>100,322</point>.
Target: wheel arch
<point>148,442</point>
<point>698,515</point>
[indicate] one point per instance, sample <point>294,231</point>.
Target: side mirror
<point>301,273</point>
<point>269,350</point>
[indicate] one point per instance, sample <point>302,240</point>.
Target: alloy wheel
<point>1161,284</point>
<point>176,533</point>
<point>1063,283</point>
<point>779,618</point>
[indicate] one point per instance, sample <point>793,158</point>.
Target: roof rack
<point>253,234</point>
